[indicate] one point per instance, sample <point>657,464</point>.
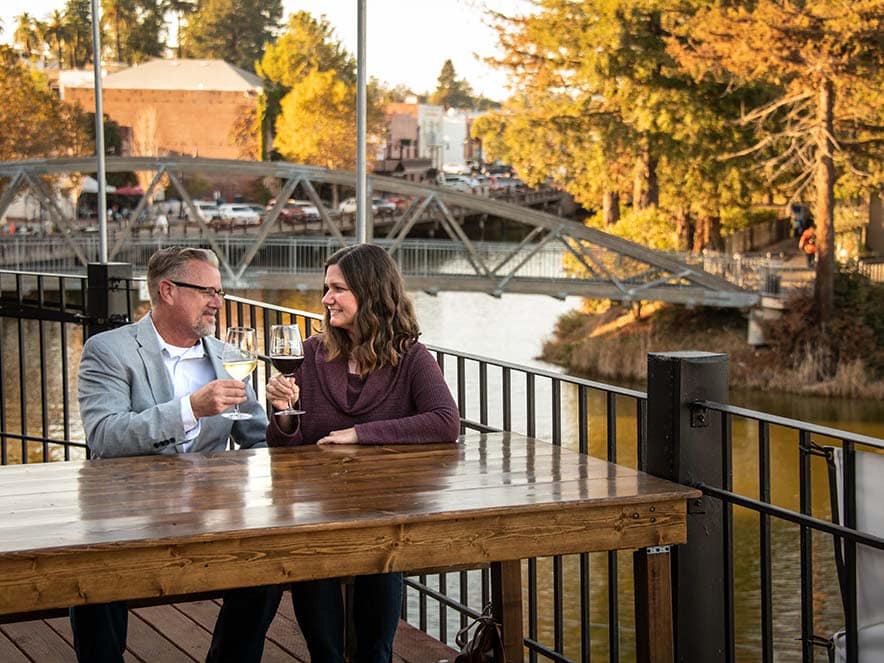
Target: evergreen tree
<point>232,30</point>
<point>826,62</point>
<point>451,91</point>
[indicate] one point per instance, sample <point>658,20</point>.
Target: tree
<point>232,30</point>
<point>78,19</point>
<point>311,99</point>
<point>826,61</point>
<point>26,36</point>
<point>451,91</point>
<point>55,32</point>
<point>317,122</point>
<point>36,123</point>
<point>602,107</point>
<point>180,8</point>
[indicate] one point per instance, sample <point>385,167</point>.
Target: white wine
<point>240,370</point>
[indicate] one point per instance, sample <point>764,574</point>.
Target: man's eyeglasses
<point>207,290</point>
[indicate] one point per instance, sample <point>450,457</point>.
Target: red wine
<point>286,364</point>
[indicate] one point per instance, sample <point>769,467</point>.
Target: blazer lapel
<point>151,356</point>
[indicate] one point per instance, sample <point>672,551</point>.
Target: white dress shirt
<point>189,369</point>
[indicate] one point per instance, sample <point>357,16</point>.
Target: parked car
<point>311,213</point>
<point>207,210</point>
<point>379,207</point>
<point>462,183</point>
<point>240,213</point>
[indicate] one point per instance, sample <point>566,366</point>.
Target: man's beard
<point>203,329</point>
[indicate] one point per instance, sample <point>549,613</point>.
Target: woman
<point>365,380</point>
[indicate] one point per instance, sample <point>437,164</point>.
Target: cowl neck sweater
<point>408,403</point>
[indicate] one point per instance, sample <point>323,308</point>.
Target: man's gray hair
<point>168,262</point>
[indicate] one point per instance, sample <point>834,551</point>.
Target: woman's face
<point>339,300</point>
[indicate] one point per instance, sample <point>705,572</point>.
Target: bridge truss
<point>595,264</point>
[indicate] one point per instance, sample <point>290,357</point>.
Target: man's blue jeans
<point>377,602</point>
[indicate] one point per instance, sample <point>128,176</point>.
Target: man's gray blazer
<point>127,405</point>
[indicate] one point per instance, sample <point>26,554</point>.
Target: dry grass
<point>614,346</point>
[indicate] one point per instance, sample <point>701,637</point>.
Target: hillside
<point>847,361</point>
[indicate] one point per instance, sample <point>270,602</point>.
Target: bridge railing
<point>758,567</point>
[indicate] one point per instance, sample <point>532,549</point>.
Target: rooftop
<point>184,74</point>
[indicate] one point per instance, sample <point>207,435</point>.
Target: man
<point>158,387</point>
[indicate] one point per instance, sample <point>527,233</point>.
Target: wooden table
<point>154,526</point>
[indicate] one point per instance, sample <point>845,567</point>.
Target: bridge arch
<point>612,267</point>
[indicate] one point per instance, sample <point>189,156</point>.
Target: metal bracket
<point>657,550</point>
<point>699,416</point>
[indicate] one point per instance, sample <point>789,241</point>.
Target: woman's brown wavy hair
<point>385,326</point>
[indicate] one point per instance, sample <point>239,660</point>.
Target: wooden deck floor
<point>182,632</point>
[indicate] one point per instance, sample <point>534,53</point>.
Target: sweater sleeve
<point>276,437</point>
<point>435,417</point>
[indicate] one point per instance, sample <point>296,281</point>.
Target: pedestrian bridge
<point>555,256</point>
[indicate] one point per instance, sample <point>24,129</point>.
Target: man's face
<point>195,308</point>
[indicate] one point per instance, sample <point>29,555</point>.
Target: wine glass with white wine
<point>240,359</point>
<point>286,355</point>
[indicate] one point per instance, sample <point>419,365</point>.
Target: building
<point>424,136</point>
<point>175,107</point>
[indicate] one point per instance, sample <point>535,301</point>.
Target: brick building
<point>175,107</point>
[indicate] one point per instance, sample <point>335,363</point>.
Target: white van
<point>240,213</point>
<point>207,210</point>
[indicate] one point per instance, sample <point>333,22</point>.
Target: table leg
<point>653,605</point>
<point>506,601</point>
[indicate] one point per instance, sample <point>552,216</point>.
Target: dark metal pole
<point>362,211</point>
<point>101,175</point>
<point>684,445</point>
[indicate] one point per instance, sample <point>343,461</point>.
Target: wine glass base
<point>236,415</point>
<point>289,411</point>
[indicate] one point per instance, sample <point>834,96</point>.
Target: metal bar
<point>101,175</point>
<point>727,533</point>
<point>22,377</point>
<point>136,213</point>
<point>613,585</point>
<point>786,422</point>
<point>506,382</point>
<point>532,606</point>
<point>764,534</point>
<point>363,213</point>
<point>851,616</point>
<point>530,404</point>
<point>44,383</point>
<point>557,412</point>
<point>791,516</point>
<point>806,546</point>
<point>558,604</point>
<point>461,387</point>
<point>582,420</point>
<point>585,608</point>
<point>483,392</point>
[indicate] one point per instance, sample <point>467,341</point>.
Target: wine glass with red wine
<point>286,355</point>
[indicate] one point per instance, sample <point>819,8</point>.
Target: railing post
<point>685,447</point>
<point>107,300</point>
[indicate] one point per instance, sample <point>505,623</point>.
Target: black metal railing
<point>577,605</point>
<point>808,448</point>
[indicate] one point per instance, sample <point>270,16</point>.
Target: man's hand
<point>217,396</point>
<point>346,436</point>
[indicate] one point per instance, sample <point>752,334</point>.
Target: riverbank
<point>848,361</point>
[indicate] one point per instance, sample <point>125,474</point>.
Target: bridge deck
<point>182,632</point>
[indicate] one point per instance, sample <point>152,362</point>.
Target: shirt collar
<point>177,352</point>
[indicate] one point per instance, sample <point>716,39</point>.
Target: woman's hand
<point>281,391</point>
<point>346,436</point>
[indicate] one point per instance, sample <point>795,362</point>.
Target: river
<point>512,329</point>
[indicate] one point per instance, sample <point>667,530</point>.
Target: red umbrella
<point>130,191</point>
